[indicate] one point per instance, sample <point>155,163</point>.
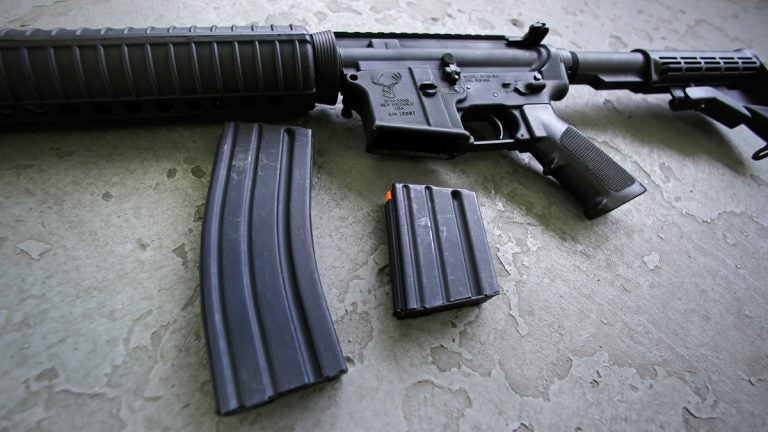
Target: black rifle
<point>421,95</point>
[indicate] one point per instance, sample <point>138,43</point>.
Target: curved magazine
<point>268,326</point>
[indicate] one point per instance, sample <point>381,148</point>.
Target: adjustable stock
<point>730,87</point>
<point>597,182</point>
<point>730,111</point>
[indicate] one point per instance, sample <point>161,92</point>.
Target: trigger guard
<point>472,120</point>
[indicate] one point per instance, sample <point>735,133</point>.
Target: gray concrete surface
<point>654,317</point>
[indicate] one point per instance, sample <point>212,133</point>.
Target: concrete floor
<point>653,317</point>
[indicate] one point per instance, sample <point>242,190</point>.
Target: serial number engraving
<point>400,107</point>
<point>479,78</point>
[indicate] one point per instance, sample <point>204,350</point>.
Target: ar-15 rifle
<point>269,330</point>
<point>417,94</point>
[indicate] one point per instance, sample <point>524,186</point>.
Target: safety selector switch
<point>438,251</point>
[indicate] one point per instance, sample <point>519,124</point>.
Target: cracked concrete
<point>424,397</point>
<point>652,317</point>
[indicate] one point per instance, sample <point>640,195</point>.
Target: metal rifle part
<point>99,74</point>
<point>267,323</point>
<point>730,87</point>
<point>498,94</point>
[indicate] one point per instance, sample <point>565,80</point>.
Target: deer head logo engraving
<point>387,90</point>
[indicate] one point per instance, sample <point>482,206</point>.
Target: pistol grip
<point>597,182</point>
